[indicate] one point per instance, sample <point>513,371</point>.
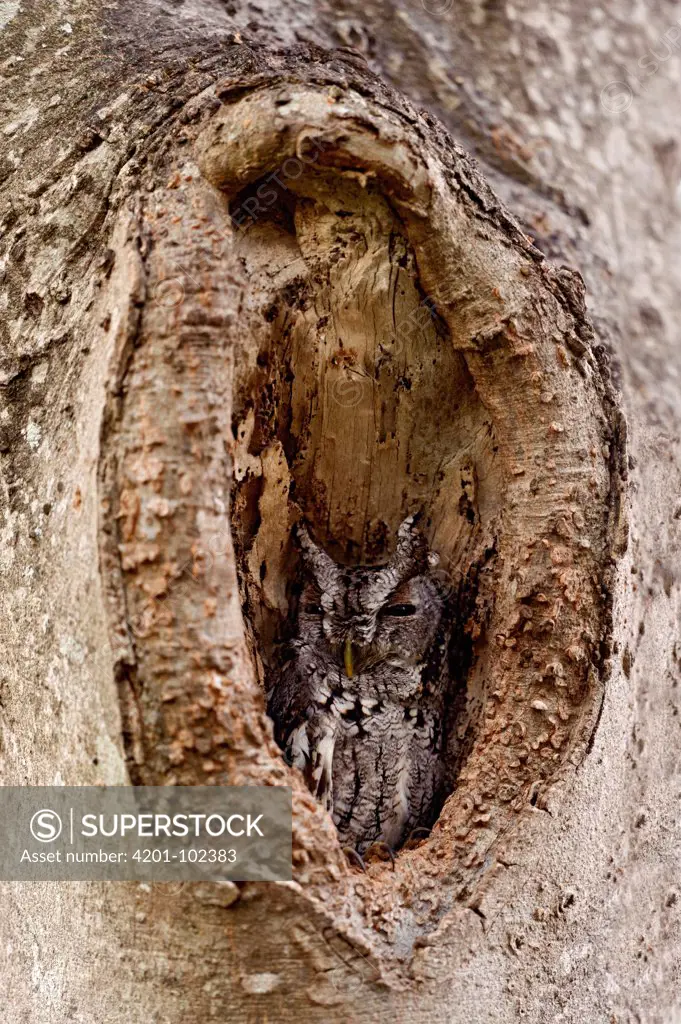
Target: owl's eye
<point>400,609</point>
<point>313,609</point>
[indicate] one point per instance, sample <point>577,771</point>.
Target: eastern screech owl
<point>359,705</point>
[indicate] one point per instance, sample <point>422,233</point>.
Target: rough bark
<point>246,278</point>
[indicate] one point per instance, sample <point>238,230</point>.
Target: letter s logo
<point>45,826</point>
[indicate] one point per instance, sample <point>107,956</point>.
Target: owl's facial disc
<point>362,617</point>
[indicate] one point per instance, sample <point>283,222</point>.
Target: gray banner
<point>145,833</point>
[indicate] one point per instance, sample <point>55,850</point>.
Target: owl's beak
<point>347,657</point>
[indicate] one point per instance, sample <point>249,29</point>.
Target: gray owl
<point>359,706</point>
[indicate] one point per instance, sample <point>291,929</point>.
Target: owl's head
<point>368,615</point>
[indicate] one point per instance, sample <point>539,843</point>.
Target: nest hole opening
<point>352,411</point>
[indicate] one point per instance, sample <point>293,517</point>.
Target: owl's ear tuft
<point>315,558</point>
<point>410,524</point>
<point>301,534</point>
<point>412,548</point>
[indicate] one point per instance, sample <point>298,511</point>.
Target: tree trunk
<point>251,274</point>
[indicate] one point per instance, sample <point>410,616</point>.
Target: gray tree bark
<point>250,273</point>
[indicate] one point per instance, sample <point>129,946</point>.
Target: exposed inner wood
<point>354,394</point>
